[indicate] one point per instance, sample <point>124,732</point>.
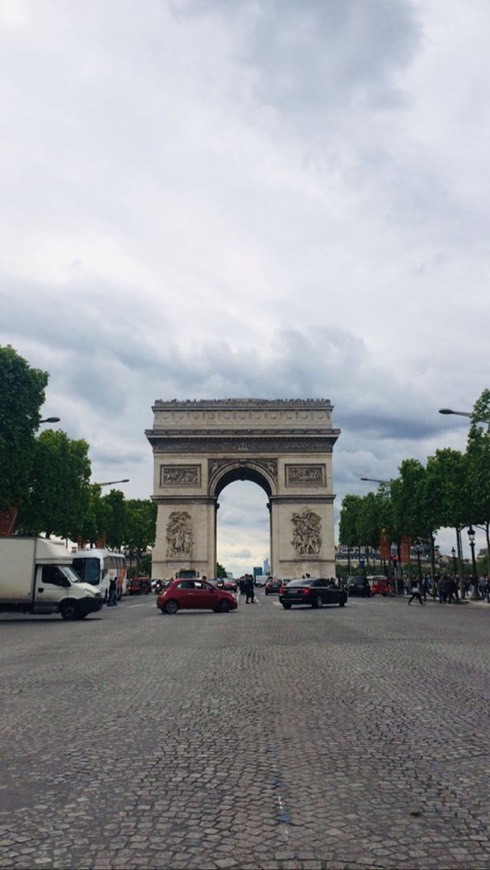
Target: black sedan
<point>358,586</point>
<point>315,591</point>
<point>273,585</point>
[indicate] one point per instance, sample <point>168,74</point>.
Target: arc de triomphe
<point>283,445</point>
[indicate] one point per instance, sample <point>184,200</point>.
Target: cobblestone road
<point>265,738</point>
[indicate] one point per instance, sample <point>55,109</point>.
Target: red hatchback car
<point>195,595</point>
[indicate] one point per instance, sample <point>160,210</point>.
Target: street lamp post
<point>50,420</point>
<point>453,554</point>
<point>475,595</point>
<point>418,564</point>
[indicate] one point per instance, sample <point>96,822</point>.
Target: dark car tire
<point>171,606</point>
<point>223,607</point>
<point>286,606</point>
<point>70,610</point>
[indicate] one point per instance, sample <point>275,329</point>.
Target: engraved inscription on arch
<point>307,539</point>
<point>180,475</point>
<point>306,475</point>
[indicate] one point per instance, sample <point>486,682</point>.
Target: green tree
<point>350,519</point>
<point>370,521</point>
<point>478,463</point>
<point>140,526</point>
<point>115,533</point>
<point>21,397</point>
<point>59,494</point>
<point>97,516</point>
<point>220,571</point>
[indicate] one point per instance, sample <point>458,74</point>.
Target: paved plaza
<point>351,737</point>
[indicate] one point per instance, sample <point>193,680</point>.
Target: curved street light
<point>111,482</point>
<point>374,480</point>
<point>50,420</point>
<point>458,413</point>
<point>464,414</point>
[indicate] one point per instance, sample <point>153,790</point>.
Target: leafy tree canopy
<point>59,494</point>
<point>21,397</point>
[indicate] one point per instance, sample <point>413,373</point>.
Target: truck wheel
<point>70,610</point>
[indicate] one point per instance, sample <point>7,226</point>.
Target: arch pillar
<point>285,446</point>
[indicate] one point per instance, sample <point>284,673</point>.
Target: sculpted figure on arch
<point>180,540</point>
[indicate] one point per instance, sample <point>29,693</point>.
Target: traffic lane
<point>181,790</point>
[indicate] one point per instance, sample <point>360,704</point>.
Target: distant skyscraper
<point>267,567</point>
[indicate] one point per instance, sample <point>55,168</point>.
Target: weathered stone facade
<point>284,445</point>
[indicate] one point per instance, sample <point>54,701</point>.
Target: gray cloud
<point>271,199</point>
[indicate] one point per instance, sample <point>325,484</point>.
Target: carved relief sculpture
<point>307,539</point>
<point>305,475</point>
<point>180,539</point>
<point>180,475</point>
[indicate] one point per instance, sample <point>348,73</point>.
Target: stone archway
<point>283,445</point>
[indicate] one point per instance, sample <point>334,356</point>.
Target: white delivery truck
<point>36,576</point>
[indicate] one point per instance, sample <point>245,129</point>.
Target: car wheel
<point>286,606</point>
<point>171,607</point>
<point>223,607</point>
<point>341,603</point>
<point>70,610</point>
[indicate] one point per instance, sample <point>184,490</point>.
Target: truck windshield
<point>71,574</point>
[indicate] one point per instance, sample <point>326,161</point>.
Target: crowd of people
<point>447,587</point>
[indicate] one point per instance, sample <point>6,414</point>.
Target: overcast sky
<point>254,198</point>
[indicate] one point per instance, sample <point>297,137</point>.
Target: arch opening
<point>243,529</point>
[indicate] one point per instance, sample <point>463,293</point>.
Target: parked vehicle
<point>139,586</point>
<point>272,584</point>
<point>358,586</point>
<point>378,584</point>
<point>315,591</point>
<point>99,567</point>
<point>189,594</point>
<point>37,577</point>
<point>228,583</point>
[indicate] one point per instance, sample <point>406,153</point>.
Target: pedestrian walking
<point>112,600</point>
<point>249,590</point>
<point>416,594</point>
<point>452,591</point>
